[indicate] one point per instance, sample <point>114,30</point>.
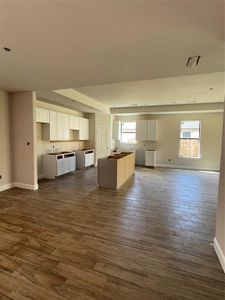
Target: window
<point>128,132</point>
<point>190,139</point>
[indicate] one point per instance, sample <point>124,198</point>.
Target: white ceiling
<point>64,44</point>
<point>172,90</point>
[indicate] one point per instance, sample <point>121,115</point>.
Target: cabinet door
<point>60,166</point>
<point>81,129</point>
<point>53,126</point>
<point>66,165</point>
<point>152,130</point>
<point>60,126</point>
<point>72,163</point>
<point>84,129</point>
<point>74,122</point>
<point>89,159</point>
<point>37,114</point>
<point>150,158</point>
<point>142,130</point>
<point>42,115</point>
<point>116,130</point>
<point>66,130</point>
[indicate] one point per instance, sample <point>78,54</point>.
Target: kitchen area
<point>69,140</point>
<point>61,137</point>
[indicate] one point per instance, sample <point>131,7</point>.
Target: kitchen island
<point>115,169</point>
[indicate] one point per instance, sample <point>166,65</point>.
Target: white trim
<point>219,253</point>
<point>186,167</point>
<point>6,187</point>
<point>41,176</point>
<point>25,186</point>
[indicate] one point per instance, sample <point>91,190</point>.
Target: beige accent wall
<point>5,142</point>
<point>24,139</point>
<point>167,145</point>
<point>220,218</point>
<point>43,147</point>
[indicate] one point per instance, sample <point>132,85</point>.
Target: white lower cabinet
<point>89,159</point>
<point>150,158</point>
<point>84,158</point>
<point>59,164</point>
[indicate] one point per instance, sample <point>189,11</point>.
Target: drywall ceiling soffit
<point>64,101</point>
<point>170,109</point>
<point>200,88</point>
<point>61,44</point>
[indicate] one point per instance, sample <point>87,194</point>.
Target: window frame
<point>121,133</point>
<point>199,139</point>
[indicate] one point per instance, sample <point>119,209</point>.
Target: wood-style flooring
<point>151,239</point>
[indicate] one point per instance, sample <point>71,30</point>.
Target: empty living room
<point>112,150</point>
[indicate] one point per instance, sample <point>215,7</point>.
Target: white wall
<point>5,142</point>
<point>167,145</point>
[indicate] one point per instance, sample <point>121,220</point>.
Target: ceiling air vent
<point>193,61</point>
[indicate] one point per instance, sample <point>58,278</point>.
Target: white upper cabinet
<point>142,130</point>
<point>117,130</point>
<point>146,130</point>
<point>84,129</point>
<point>74,122</point>
<point>53,127</point>
<point>42,115</point>
<point>59,125</point>
<point>66,127</point>
<point>152,130</point>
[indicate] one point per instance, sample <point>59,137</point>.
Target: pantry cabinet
<point>146,130</point>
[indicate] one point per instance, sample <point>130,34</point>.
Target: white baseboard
<point>41,176</point>
<point>186,167</point>
<point>219,254</point>
<point>25,186</point>
<point>6,187</point>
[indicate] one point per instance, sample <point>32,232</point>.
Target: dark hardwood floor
<point>151,239</point>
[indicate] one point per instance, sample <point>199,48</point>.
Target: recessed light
<point>7,49</point>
